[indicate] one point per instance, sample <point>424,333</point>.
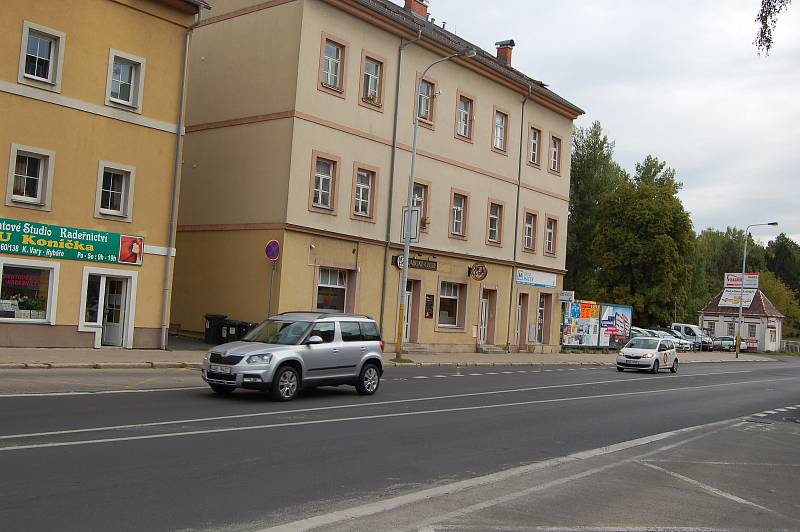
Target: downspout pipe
<point>176,177</point>
<point>522,148</point>
<point>403,45</point>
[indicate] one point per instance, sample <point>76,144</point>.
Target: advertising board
<point>730,297</point>
<point>734,280</point>
<point>615,325</point>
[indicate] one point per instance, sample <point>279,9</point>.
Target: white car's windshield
<point>278,332</point>
<point>642,343</point>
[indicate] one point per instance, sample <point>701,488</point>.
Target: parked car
<point>728,343</point>
<point>638,331</point>
<point>694,333</point>
<point>298,350</point>
<point>681,344</point>
<point>651,353</point>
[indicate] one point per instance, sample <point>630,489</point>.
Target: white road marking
<point>476,374</point>
<point>522,371</point>
<point>548,370</point>
<point>420,377</point>
<point>496,528</point>
<point>701,462</point>
<point>792,407</point>
<point>760,415</point>
<point>439,376</point>
<point>770,412</point>
<point>102,392</point>
<point>781,410</point>
<point>367,417</point>
<point>490,373</point>
<point>506,372</point>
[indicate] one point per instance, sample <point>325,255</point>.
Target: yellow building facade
<point>299,129</point>
<point>90,100</point>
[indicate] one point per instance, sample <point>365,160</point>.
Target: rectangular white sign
<point>734,280</point>
<point>730,297</point>
<point>534,278</point>
<point>567,296</point>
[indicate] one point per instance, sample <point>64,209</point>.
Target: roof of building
<point>760,307</point>
<point>452,41</point>
<point>189,6</point>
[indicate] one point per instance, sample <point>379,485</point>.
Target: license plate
<point>219,369</point>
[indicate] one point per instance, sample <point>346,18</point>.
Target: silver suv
<point>299,350</point>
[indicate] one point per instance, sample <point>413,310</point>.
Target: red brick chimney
<point>418,7</point>
<point>504,49</point>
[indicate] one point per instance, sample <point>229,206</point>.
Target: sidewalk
<point>186,352</point>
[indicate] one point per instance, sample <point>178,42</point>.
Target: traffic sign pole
<point>271,282</point>
<point>273,253</point>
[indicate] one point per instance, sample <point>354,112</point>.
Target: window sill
<point>37,79</point>
<point>113,216</point>
<point>330,89</point>
<point>500,151</point>
<point>450,328</point>
<point>463,138</point>
<point>457,237</point>
<point>532,251</point>
<point>40,83</point>
<point>551,255</point>
<point>26,320</point>
<point>125,106</point>
<point>369,104</point>
<point>322,210</point>
<point>26,204</point>
<point>362,217</point>
<point>426,123</point>
<point>538,166</point>
<point>494,243</point>
<point>554,172</point>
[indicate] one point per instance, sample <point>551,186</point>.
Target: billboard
<point>615,325</point>
<point>534,278</point>
<point>730,297</point>
<point>734,280</point>
<point>581,324</point>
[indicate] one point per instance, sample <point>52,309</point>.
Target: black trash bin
<point>243,328</point>
<point>229,330</point>
<point>213,332</point>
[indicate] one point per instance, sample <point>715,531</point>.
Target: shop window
<point>325,330</point>
<point>451,304</point>
<point>751,330</point>
<point>731,328</point>
<point>26,292</point>
<point>41,57</point>
<point>351,331</point>
<point>91,311</point>
<point>125,82</point>
<point>332,289</point>
<point>30,177</point>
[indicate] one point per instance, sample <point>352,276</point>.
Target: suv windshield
<point>643,343</point>
<point>278,332</point>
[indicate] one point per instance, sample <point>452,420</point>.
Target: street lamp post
<point>741,286</point>
<point>467,52</point>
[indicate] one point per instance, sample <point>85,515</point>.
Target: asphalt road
<point>178,457</point>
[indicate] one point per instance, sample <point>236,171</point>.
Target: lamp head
<point>468,52</point>
<point>773,223</point>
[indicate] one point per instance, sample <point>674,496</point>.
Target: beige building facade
<point>90,99</point>
<point>299,129</point>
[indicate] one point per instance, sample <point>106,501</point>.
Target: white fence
<point>789,345</point>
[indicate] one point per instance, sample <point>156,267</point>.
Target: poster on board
<point>581,324</point>
<point>615,325</point>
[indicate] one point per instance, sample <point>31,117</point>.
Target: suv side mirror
<point>314,340</point>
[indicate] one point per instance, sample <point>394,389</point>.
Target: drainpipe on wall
<point>403,44</point>
<point>522,149</point>
<point>176,176</point>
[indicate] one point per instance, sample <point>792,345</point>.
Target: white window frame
<point>458,215</point>
<point>555,154</point>
<point>126,215</point>
<point>451,294</point>
<point>550,236</point>
<point>52,290</point>
<point>329,284</point>
<point>137,89</point>
<point>527,235</point>
<point>500,130</point>
<point>44,200</point>
<point>534,145</point>
<point>328,62</point>
<point>53,81</point>
<point>370,79</point>
<point>496,219</point>
<point>465,117</point>
<point>130,301</point>
<point>731,328</point>
<point>363,196</point>
<point>318,181</point>
<point>425,101</point>
<point>752,327</point>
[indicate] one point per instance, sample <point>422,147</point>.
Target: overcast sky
<point>678,79</point>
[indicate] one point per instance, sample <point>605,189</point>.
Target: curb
<point>99,365</point>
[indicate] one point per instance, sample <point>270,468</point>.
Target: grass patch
<point>400,360</point>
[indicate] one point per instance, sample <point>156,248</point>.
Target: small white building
<point>762,323</point>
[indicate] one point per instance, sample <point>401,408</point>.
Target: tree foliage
<point>784,300</point>
<point>783,258</point>
<point>767,19</point>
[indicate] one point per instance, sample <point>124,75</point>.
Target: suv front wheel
<point>285,384</point>
<point>368,380</point>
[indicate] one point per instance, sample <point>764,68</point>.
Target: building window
<point>458,210</point>
<point>372,89</point>
<point>495,223</point>
<point>464,117</point>
<point>535,142</point>
<point>555,154</point>
<point>425,101</point>
<point>550,236</point>
<point>751,330</point>
<point>29,177</point>
<point>332,289</point>
<point>773,336</point>
<point>712,328</point>
<point>125,80</point>
<point>731,328</point>
<point>448,304</point>
<point>365,181</point>
<point>332,65</point>
<point>114,191</point>
<point>500,124</point>
<point>41,57</point>
<point>529,232</point>
<point>421,201</point>
<point>27,291</point>
<point>323,184</point>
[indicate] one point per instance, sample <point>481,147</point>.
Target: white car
<point>728,343</point>
<point>680,343</point>
<point>650,353</point>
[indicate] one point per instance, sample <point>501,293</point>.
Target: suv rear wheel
<point>369,379</point>
<point>285,384</point>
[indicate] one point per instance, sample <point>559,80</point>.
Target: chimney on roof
<point>418,7</point>
<point>504,49</point>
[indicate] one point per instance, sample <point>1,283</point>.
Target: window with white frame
<point>363,195</point>
<point>332,289</point>
<point>41,57</point>
<point>495,222</point>
<point>425,101</point>
<point>27,290</point>
<point>125,80</point>
<point>550,237</point>
<point>421,201</point>
<point>323,184</point>
<point>751,330</point>
<point>114,191</point>
<point>555,154</point>
<point>500,121</point>
<point>448,304</point>
<point>29,177</point>
<point>731,328</point>
<point>528,237</point>
<point>536,136</point>
<point>372,81</point>
<point>712,327</point>
<point>332,65</point>
<point>773,336</point>
<point>464,116</point>
<point>458,208</point>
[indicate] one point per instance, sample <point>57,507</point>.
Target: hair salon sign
<point>55,242</point>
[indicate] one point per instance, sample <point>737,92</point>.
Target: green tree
<point>783,258</point>
<point>592,173</point>
<point>644,242</point>
<point>767,19</point>
<point>784,300</point>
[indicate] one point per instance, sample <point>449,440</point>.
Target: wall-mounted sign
<point>772,323</point>
<point>419,264</point>
<point>566,296</point>
<point>478,271</point>
<point>730,297</point>
<point>428,306</point>
<point>56,242</point>
<point>734,280</point>
<point>534,278</point>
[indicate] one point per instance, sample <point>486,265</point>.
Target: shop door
<point>114,311</point>
<point>407,315</point>
<point>521,332</point>
<point>517,321</point>
<point>540,314</point>
<point>483,321</point>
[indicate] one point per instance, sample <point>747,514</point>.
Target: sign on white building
<point>534,278</point>
<point>730,297</point>
<point>734,280</point>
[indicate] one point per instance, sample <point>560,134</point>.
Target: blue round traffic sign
<point>273,250</point>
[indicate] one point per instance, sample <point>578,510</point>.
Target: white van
<point>695,334</point>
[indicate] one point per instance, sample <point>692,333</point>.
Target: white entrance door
<point>483,321</point>
<point>114,311</point>
<point>518,321</point>
<point>540,320</point>
<point>407,318</point>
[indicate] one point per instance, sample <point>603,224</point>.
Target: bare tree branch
<point>767,18</point>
